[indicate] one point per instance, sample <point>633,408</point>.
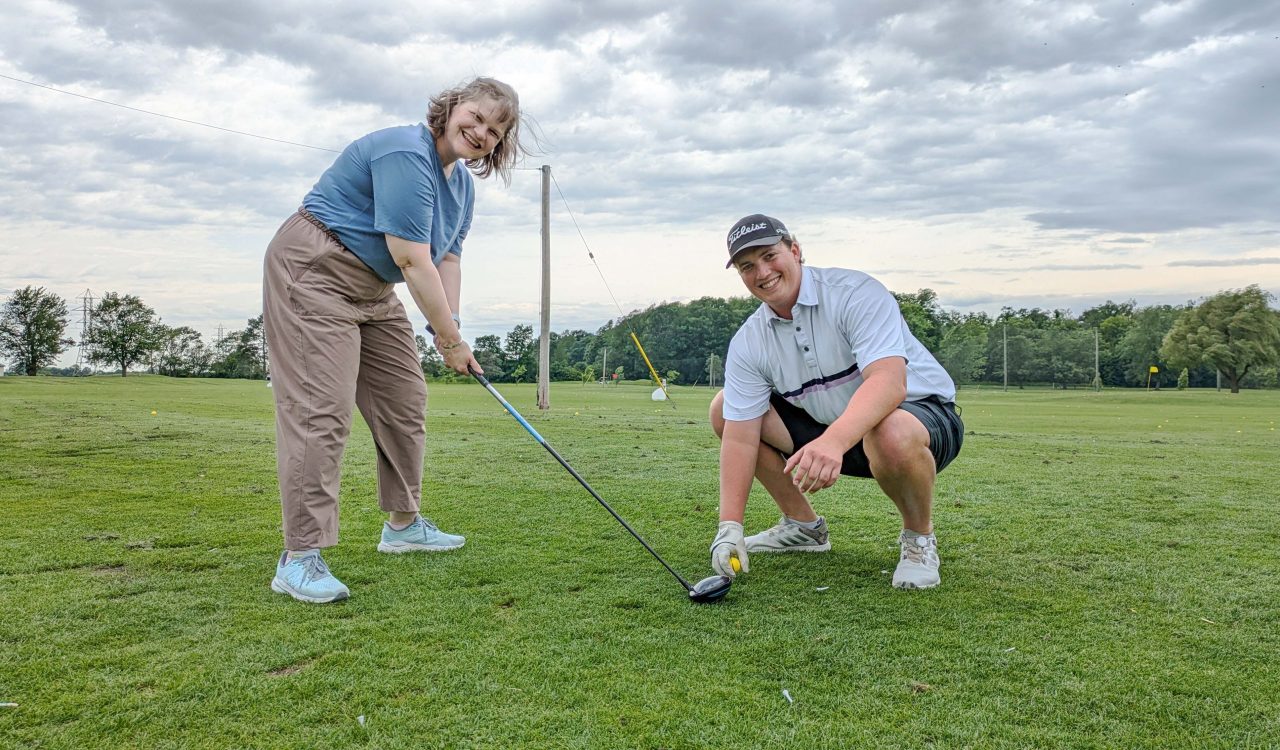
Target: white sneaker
<point>918,563</point>
<point>789,536</point>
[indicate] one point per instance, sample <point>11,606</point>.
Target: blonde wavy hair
<point>504,155</point>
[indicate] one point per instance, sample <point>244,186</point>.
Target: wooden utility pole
<point>1097,373</point>
<point>544,339</point>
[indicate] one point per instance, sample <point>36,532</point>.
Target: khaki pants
<point>338,336</point>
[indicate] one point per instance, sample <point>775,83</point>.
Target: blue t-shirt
<point>391,182</point>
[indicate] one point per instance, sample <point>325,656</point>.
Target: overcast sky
<point>1050,154</point>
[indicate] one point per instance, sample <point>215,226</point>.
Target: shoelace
<point>427,522</point>
<point>313,568</point>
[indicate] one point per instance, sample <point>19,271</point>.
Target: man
<point>826,379</point>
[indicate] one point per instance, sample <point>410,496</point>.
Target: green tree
<point>1111,363</point>
<point>1094,316</point>
<point>571,351</point>
<point>923,315</point>
<point>223,357</point>
<point>253,347</point>
<point>182,352</point>
<point>1233,331</point>
<point>1062,355</point>
<point>520,351</point>
<point>32,323</point>
<point>488,352</point>
<point>1111,320</point>
<point>1139,346</point>
<point>675,335</point>
<point>963,349</point>
<point>432,363</point>
<point>715,369</point>
<point>243,354</point>
<point>1010,338</point>
<point>123,332</point>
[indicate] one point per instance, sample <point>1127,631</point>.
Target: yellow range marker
<point>652,371</point>
<point>737,566</point>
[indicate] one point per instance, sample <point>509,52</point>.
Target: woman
<point>395,206</point>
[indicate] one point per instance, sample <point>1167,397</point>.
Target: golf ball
<point>737,566</point>
<point>153,412</point>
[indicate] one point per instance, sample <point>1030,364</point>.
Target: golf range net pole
<point>529,428</point>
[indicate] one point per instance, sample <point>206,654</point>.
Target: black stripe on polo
<point>821,381</point>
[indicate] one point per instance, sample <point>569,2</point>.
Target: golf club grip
<point>528,427</point>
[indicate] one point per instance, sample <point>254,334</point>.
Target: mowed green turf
<point>1109,580</point>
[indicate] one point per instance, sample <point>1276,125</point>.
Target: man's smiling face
<point>772,274</point>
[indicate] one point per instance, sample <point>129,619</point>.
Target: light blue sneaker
<point>419,536</point>
<point>307,579</point>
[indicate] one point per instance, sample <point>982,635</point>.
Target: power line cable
<point>588,247</point>
<point>621,315</point>
<point>194,122</point>
<point>169,117</point>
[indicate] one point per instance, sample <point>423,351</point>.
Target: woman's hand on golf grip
<point>458,356</point>
<point>815,466</point>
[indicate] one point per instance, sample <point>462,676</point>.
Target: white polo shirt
<point>842,321</point>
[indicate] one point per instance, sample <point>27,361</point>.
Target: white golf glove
<point>728,544</point>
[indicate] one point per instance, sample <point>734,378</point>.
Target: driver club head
<point>710,589</point>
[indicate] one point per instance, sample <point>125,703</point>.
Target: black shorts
<point>941,419</point>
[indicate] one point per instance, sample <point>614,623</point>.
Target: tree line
<point>1234,334</point>
<point>123,334</point>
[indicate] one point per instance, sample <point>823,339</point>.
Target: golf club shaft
<point>529,428</point>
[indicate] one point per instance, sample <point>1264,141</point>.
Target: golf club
<point>706,591</point>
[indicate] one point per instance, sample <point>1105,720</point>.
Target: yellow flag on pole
<point>1154,369</point>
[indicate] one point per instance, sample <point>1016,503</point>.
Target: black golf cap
<point>756,230</point>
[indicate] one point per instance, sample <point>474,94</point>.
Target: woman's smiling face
<point>474,128</point>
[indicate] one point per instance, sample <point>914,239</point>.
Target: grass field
<point>1109,580</point>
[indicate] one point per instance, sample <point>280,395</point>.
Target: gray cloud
<point>1225,262</point>
<point>1053,267</point>
<point>1104,117</point>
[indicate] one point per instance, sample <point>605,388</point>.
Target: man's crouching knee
<point>716,414</point>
